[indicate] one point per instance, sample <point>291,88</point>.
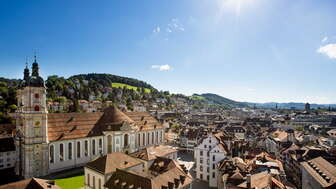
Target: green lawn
<point>196,97</point>
<point>71,182</point>
<point>122,85</point>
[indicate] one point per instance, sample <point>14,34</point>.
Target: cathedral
<point>52,142</point>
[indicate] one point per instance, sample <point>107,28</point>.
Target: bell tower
<point>32,130</point>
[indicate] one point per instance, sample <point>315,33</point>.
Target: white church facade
<point>51,142</point>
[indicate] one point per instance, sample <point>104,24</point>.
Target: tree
<point>12,108</point>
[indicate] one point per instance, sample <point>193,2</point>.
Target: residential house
<point>211,150</point>
<point>162,174</point>
<point>31,183</point>
<point>318,173</point>
<point>7,153</point>
<point>100,170</point>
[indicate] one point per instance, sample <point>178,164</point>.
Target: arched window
<point>86,148</point>
<point>125,140</point>
<point>37,95</point>
<point>100,146</point>
<point>51,153</point>
<point>70,151</point>
<point>143,139</point>
<point>78,149</point>
<point>161,134</point>
<point>117,141</point>
<point>99,182</point>
<point>37,108</point>
<point>93,147</point>
<point>152,137</point>
<point>139,139</point>
<point>157,137</point>
<point>93,182</point>
<point>109,144</point>
<point>148,138</point>
<point>61,152</point>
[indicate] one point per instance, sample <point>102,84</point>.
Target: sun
<point>235,6</point>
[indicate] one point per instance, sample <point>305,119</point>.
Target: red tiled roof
<point>63,126</point>
<point>31,183</point>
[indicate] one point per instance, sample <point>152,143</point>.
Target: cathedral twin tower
<point>31,125</point>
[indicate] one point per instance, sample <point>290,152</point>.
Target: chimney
<point>170,185</point>
<point>248,181</point>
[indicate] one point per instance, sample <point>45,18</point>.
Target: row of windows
<point>213,159</point>
<point>213,176</point>
<point>6,153</point>
<point>78,150</point>
<point>152,138</point>
<point>93,185</point>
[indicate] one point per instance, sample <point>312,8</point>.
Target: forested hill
<point>85,85</point>
<point>106,80</point>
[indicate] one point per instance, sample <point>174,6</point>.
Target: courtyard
<point>187,159</point>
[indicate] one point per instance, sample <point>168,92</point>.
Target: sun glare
<point>235,6</point>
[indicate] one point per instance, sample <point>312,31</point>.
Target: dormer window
<point>37,95</point>
<point>37,108</point>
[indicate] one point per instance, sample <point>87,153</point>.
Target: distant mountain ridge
<point>289,105</point>
<point>211,98</point>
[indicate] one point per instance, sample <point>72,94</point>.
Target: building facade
<point>7,153</point>
<point>208,153</point>
<point>51,142</point>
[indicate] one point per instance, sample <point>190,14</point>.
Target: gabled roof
<point>31,183</point>
<point>162,173</point>
<point>322,171</point>
<point>265,180</point>
<point>144,121</point>
<point>153,152</point>
<point>64,126</point>
<point>259,180</point>
<point>7,144</point>
<point>109,163</point>
<point>7,128</point>
<point>279,135</point>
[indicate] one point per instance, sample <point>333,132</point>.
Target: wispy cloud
<point>329,50</point>
<point>325,39</point>
<point>165,67</point>
<point>174,25</point>
<point>156,30</point>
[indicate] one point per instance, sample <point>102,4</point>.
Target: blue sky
<point>246,50</point>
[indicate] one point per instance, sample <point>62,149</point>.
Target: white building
<point>275,140</point>
<point>99,171</point>
<point>7,153</point>
<point>207,154</point>
<point>48,143</point>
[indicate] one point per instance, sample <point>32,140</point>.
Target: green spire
<point>35,67</point>
<point>26,72</point>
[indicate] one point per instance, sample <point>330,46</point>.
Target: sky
<point>246,50</point>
